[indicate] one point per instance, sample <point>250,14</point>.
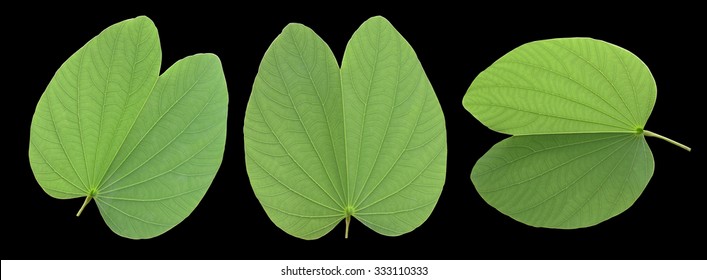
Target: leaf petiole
<point>85,202</point>
<point>656,135</point>
<point>348,221</point>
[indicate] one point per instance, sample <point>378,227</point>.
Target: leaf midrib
<point>306,131</point>
<point>326,116</point>
<point>613,86</point>
<point>257,104</point>
<point>130,93</point>
<point>196,116</point>
<point>547,115</point>
<point>92,176</point>
<point>573,183</point>
<point>363,122</point>
<point>356,201</point>
<point>568,77</point>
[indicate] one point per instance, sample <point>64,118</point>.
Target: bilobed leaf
<point>324,144</point>
<point>577,108</point>
<point>145,147</point>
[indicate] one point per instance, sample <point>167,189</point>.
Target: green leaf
<point>563,86</point>
<point>577,108</point>
<point>323,144</point>
<point>144,147</point>
<point>564,181</point>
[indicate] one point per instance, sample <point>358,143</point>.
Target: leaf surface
<point>324,144</point>
<point>577,108</point>
<point>145,147</point>
<point>564,181</point>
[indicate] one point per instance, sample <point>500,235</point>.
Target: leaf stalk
<point>656,135</point>
<point>348,221</point>
<point>85,202</point>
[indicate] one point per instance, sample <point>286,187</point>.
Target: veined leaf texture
<point>144,146</point>
<point>324,144</point>
<point>576,108</point>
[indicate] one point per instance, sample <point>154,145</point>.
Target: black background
<point>454,44</point>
